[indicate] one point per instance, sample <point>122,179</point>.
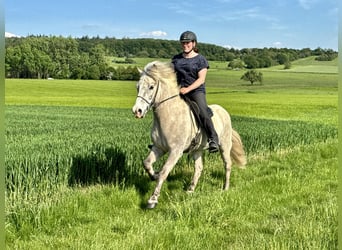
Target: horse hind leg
<point>227,161</point>
<point>198,171</point>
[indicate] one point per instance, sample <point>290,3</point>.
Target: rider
<point>191,68</point>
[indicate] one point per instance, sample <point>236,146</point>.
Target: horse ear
<point>140,71</point>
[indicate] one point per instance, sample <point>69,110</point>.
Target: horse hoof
<point>155,177</point>
<point>151,205</point>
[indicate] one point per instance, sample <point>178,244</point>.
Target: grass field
<point>74,178</point>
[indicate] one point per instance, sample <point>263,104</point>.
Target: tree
<point>252,76</point>
<point>287,65</point>
<point>264,61</point>
<point>94,72</point>
<point>236,64</point>
<point>326,55</point>
<point>251,62</point>
<point>14,61</point>
<point>98,62</point>
<point>282,58</point>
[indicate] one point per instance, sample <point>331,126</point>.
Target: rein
<point>165,100</point>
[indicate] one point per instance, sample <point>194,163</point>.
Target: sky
<point>294,24</point>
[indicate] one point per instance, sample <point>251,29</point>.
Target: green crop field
<point>74,176</point>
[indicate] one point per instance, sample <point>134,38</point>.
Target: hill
<point>311,65</point>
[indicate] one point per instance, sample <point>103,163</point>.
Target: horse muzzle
<point>138,112</point>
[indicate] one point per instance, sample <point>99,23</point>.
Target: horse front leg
<point>168,166</point>
<point>152,157</point>
<point>198,171</point>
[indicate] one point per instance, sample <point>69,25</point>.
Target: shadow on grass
<point>110,165</point>
<point>106,166</point>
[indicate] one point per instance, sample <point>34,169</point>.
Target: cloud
<point>277,44</point>
<point>155,33</point>
<point>8,34</point>
<point>227,46</point>
<point>277,26</point>
<point>307,4</point>
<point>184,9</point>
<point>254,13</point>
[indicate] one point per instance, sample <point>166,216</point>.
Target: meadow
<point>74,178</point>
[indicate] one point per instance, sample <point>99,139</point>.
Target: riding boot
<point>209,128</point>
<point>212,139</point>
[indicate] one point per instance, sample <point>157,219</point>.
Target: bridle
<point>152,103</point>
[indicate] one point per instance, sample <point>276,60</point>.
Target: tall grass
<point>83,146</point>
<point>283,201</point>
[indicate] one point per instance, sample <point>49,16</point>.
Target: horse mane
<point>163,71</point>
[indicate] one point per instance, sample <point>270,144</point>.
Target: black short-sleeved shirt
<point>187,69</point>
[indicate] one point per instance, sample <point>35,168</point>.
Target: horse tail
<point>237,152</point>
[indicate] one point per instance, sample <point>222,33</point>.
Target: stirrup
<point>213,146</point>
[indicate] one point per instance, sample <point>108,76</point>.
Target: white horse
<point>175,130</point>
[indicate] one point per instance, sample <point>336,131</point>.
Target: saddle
<point>195,110</point>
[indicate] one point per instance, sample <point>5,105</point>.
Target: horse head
<point>148,86</point>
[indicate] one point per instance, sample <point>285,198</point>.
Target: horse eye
<point>151,87</point>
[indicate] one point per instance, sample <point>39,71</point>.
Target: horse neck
<point>168,100</point>
<point>166,90</point>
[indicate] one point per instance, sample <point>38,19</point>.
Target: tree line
<point>56,57</point>
<point>86,58</point>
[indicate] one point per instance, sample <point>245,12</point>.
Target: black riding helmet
<point>188,36</point>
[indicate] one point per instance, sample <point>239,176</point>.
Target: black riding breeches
<point>200,99</point>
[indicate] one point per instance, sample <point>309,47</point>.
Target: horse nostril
<point>139,111</point>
